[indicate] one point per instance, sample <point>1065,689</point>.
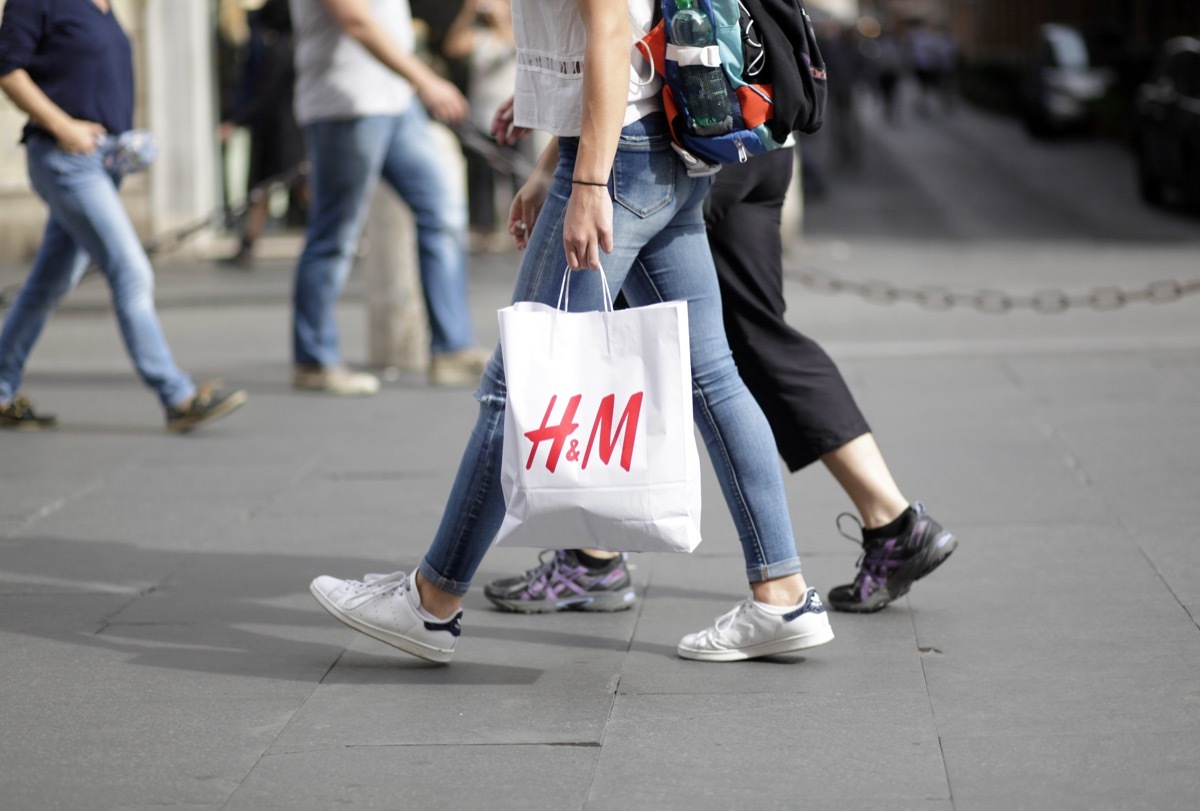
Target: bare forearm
<point>355,19</point>
<point>30,99</point>
<point>548,160</point>
<point>439,96</point>
<point>605,88</point>
<point>460,39</point>
<point>71,134</point>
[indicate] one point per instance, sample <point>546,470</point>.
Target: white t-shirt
<point>336,77</point>
<point>550,44</point>
<point>493,75</point>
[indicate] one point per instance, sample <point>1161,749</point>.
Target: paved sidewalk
<point>158,646</point>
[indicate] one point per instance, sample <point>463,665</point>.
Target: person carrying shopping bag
<point>69,65</point>
<point>618,189</point>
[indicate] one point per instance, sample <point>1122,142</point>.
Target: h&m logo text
<point>560,434</point>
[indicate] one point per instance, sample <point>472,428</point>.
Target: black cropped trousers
<point>804,396</point>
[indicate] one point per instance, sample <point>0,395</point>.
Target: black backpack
<point>771,79</point>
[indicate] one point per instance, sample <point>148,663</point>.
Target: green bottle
<point>705,89</point>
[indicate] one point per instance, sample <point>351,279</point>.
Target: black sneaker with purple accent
<point>562,582</point>
<point>889,566</point>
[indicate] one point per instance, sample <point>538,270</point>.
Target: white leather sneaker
<point>461,368</point>
<point>752,629</point>
<point>335,380</point>
<point>388,608</point>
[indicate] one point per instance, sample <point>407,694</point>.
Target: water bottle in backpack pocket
<point>708,110</point>
<point>739,76</point>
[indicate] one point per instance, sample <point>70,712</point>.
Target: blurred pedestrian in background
<point>361,97</point>
<point>264,105</point>
<point>844,66</point>
<point>69,65</point>
<point>481,35</point>
<point>230,47</point>
<point>947,68</point>
<point>926,54</point>
<point>889,66</point>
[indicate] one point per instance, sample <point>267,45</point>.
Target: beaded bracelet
<point>588,183</point>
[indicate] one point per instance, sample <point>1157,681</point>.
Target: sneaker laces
<point>19,407</point>
<point>204,395</point>
<point>724,622</point>
<point>873,564</point>
<point>553,576</point>
<point>374,585</point>
<point>847,535</point>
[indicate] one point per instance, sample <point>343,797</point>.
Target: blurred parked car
<point>1167,127</point>
<point>1068,75</point>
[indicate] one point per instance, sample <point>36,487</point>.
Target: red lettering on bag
<point>556,434</point>
<point>604,427</point>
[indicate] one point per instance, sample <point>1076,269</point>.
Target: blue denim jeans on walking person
<point>347,157</point>
<point>87,220</point>
<point>661,254</point>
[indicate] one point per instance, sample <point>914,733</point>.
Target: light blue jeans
<point>661,254</point>
<point>87,220</point>
<point>347,157</point>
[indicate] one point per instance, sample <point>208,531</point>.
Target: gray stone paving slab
<point>1059,660</point>
<point>143,523</point>
<point>32,612</point>
<point>508,777</point>
<point>775,750</point>
<point>685,597</point>
<point>135,735</point>
<point>36,563</point>
<point>375,696</point>
<point>166,651</point>
<point>1138,771</point>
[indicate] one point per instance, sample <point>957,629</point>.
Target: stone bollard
<point>397,333</point>
<point>397,329</point>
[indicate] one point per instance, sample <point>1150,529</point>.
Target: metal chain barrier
<point>995,302</point>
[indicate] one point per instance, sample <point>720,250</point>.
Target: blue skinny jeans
<point>661,254</point>
<point>87,220</point>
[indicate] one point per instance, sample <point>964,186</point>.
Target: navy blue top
<point>76,54</point>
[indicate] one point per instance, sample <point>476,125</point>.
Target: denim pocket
<point>61,162</point>
<point>644,180</point>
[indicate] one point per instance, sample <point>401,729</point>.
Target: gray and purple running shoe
<point>889,566</point>
<point>563,583</point>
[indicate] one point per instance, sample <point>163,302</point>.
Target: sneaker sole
<point>365,391</point>
<point>609,602</point>
<point>922,565</point>
<point>411,646</point>
<point>774,648</point>
<point>453,380</point>
<point>28,426</point>
<point>228,406</point>
<point>879,601</point>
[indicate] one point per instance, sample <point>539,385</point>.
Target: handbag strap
<point>564,291</point>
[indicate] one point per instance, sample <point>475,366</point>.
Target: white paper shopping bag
<point>599,444</point>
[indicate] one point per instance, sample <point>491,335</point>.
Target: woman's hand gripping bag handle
<point>599,444</point>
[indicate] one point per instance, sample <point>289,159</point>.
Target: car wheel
<point>1037,125</point>
<point>1191,176</point>
<point>1148,186</point>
